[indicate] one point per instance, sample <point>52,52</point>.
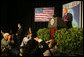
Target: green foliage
<point>43,34</point>
<point>69,40</point>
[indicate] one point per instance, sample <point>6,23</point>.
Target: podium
<point>52,31</point>
<point>54,24</point>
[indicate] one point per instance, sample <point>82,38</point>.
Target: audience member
<point>19,35</point>
<point>30,49</point>
<point>26,39</point>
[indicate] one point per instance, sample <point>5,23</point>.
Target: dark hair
<point>19,23</point>
<point>54,15</point>
<point>30,48</point>
<point>32,43</point>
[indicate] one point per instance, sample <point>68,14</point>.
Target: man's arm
<point>2,33</point>
<point>43,43</point>
<point>22,44</point>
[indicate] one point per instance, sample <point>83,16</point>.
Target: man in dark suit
<point>19,35</point>
<point>67,18</point>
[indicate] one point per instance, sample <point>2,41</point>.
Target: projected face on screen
<point>44,14</point>
<point>75,11</point>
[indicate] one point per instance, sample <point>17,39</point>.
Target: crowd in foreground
<point>20,45</point>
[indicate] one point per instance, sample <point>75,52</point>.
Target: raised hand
<point>36,39</point>
<point>1,31</point>
<point>16,34</point>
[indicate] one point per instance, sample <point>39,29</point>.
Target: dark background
<point>14,12</point>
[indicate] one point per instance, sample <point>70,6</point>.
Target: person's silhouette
<point>67,18</point>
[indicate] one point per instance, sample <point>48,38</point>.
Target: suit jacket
<point>20,34</point>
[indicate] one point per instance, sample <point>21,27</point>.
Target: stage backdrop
<point>75,9</point>
<point>43,14</point>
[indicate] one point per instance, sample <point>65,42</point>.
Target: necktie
<point>64,18</point>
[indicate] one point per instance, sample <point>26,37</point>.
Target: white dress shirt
<point>24,42</point>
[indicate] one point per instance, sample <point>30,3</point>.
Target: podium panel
<point>52,31</point>
<point>56,22</point>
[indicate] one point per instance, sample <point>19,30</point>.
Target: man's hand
<point>47,42</point>
<point>1,31</point>
<point>16,34</point>
<point>65,20</point>
<point>28,35</point>
<point>36,39</point>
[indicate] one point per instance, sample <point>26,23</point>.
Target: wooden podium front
<point>52,31</point>
<point>54,24</point>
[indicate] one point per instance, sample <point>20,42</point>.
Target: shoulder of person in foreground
<point>42,42</point>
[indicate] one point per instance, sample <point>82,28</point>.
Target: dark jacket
<point>32,48</point>
<point>69,17</point>
<point>20,36</point>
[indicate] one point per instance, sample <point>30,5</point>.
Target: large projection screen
<point>75,9</point>
<point>43,14</point>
